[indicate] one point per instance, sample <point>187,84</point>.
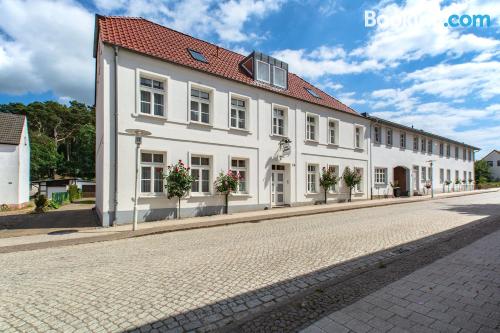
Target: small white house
<point>15,160</point>
<point>493,160</point>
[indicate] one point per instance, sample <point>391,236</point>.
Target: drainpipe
<point>370,164</point>
<point>115,196</point>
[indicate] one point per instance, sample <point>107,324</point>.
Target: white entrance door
<point>415,179</point>
<point>278,185</point>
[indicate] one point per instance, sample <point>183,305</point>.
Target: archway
<point>401,175</point>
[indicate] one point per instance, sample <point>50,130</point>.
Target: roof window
<point>197,56</point>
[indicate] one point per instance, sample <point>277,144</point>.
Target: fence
<point>60,197</point>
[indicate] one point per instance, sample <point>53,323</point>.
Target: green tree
<point>482,171</point>
<point>178,182</point>
<point>44,156</point>
<point>227,183</point>
<point>327,180</point>
<point>351,179</point>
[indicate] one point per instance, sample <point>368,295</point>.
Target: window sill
<point>152,195</point>
<point>332,145</point>
<point>243,130</point>
<point>278,136</point>
<point>359,148</point>
<point>314,142</point>
<point>199,195</point>
<point>199,123</point>
<point>241,195</point>
<point>150,116</point>
<point>311,194</point>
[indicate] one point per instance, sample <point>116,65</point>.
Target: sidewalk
<point>456,293</point>
<point>75,236</point>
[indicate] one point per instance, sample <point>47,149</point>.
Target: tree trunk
<point>350,194</point>
<point>227,204</point>
<point>179,209</point>
<point>325,196</point>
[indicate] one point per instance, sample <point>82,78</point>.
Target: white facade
<point>15,175</point>
<point>176,136</point>
<point>401,156</point>
<point>493,160</point>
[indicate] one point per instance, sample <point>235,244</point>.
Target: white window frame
<point>448,175</point>
<point>430,176</point>
<point>441,176</point>
<point>430,146</point>
<point>457,175</point>
<point>211,93</point>
<point>315,133</point>
<point>247,111</point>
<point>336,168</point>
<point>448,150</point>
<point>360,187</point>
<point>202,167</point>
<point>316,178</point>
<point>238,169</point>
<point>380,176</point>
<point>423,145</point>
<point>274,76</point>
<point>285,119</point>
<point>379,130</point>
<point>257,71</point>
<point>441,149</point>
<point>336,129</point>
<point>464,152</point>
<point>457,152</point>
<point>416,142</point>
<point>423,174</point>
<point>402,140</point>
<point>470,176</point>
<point>152,165</point>
<point>361,137</point>
<point>157,77</point>
<point>389,137</point>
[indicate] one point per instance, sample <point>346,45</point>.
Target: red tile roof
<point>146,37</point>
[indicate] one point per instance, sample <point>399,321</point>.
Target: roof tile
<point>11,128</point>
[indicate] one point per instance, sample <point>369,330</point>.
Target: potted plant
<point>396,190</point>
<point>457,187</point>
<point>351,179</point>
<point>428,185</point>
<point>178,182</point>
<point>447,183</point>
<point>328,179</point>
<point>226,183</point>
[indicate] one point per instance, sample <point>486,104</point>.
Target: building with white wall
<point>493,160</point>
<point>401,156</point>
<point>216,110</point>
<point>15,160</point>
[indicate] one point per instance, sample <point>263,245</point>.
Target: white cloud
<point>47,46</point>
<point>349,98</point>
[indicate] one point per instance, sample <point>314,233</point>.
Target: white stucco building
<point>493,160</point>
<point>402,156</point>
<point>215,110</point>
<point>15,160</point>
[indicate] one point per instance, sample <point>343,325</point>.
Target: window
<point>380,176</point>
<point>312,92</point>
<point>278,121</point>
<point>152,172</point>
<point>336,172</point>
<point>465,175</point>
<point>456,175</point>
<point>358,137</point>
<point>312,178</point>
<point>238,113</point>
<point>415,143</point>
<point>448,175</point>
<point>197,55</point>
<point>424,175</point>
<point>470,176</point>
<point>263,72</point>
<point>429,174</point>
<point>429,146</point>
<point>311,126</point>
<point>389,137</point>
<point>464,155</point>
<point>377,134</point>
<point>498,163</point>
<point>279,77</point>
<point>490,163</point>
<point>333,127</point>
<point>456,152</point>
<point>359,187</point>
<point>469,155</point>
<point>200,170</point>
<point>240,165</point>
<point>441,176</point>
<point>402,140</point>
<point>152,96</point>
<point>448,150</point>
<point>200,106</point>
<point>441,149</point>
<point>423,145</point>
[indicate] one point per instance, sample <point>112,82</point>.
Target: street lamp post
<point>432,178</point>
<point>139,134</point>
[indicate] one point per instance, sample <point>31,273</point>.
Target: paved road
<point>202,279</point>
<point>458,293</point>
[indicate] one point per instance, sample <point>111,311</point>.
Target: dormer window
<point>263,72</point>
<point>279,77</point>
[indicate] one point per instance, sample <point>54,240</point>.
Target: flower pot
<point>397,192</point>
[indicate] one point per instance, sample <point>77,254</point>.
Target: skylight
<point>197,56</point>
<point>312,92</point>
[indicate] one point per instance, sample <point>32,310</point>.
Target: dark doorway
<point>400,178</point>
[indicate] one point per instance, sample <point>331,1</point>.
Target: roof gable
<point>11,128</point>
<point>146,37</point>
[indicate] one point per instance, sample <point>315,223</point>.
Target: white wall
<point>494,157</point>
<point>24,166</point>
<point>386,156</point>
<point>178,138</point>
<point>9,177</point>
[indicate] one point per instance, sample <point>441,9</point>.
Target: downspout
<point>370,171</point>
<point>115,196</point>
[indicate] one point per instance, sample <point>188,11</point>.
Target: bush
<point>4,208</point>
<point>60,197</point>
<point>41,203</point>
<point>74,193</point>
<point>53,205</point>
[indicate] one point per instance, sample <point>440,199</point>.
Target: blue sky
<point>442,79</point>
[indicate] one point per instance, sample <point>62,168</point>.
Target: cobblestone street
<point>205,279</point>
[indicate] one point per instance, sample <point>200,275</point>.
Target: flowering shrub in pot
<point>227,183</point>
